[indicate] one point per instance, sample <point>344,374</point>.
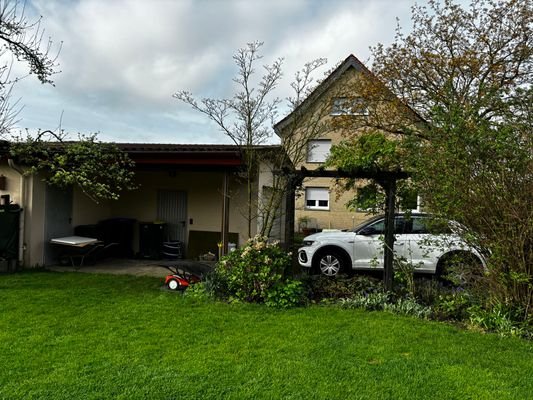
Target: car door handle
<point>399,244</point>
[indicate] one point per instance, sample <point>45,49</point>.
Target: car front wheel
<point>330,263</point>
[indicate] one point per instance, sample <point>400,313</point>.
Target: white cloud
<point>122,59</point>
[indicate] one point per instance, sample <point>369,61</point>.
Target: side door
<point>369,245</point>
<point>57,220</point>
<point>424,245</point>
<point>172,208</point>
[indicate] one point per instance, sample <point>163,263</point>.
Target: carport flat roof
<point>185,154</point>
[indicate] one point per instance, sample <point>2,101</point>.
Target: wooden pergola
<point>386,179</point>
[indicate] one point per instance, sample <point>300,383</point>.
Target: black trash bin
<point>120,231</point>
<point>151,237</point>
<point>9,236</point>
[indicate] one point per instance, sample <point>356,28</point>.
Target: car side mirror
<point>368,231</point>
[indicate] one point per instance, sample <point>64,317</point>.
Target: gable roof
<point>350,62</point>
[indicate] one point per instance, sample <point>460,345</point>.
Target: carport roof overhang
<point>183,156</point>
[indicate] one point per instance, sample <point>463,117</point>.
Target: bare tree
<point>63,162</point>
<point>247,119</point>
<point>23,41</point>
<point>304,125</point>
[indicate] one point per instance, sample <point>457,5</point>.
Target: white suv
<point>362,248</point>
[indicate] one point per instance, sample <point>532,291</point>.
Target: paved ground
<point>138,267</point>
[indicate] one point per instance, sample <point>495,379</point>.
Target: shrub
<point>322,288</point>
<point>248,273</point>
<point>452,306</point>
<point>198,291</point>
<point>286,294</point>
<point>499,319</point>
<point>386,302</point>
<point>370,302</point>
<point>408,307</point>
<point>428,290</point>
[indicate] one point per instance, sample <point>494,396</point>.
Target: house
<point>317,123</point>
<point>186,193</point>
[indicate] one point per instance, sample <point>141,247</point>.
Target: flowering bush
<point>248,273</point>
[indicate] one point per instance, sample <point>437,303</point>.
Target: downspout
<point>18,169</point>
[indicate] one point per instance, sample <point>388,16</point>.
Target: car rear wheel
<point>330,263</point>
<point>460,268</point>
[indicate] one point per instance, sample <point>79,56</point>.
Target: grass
<point>83,336</point>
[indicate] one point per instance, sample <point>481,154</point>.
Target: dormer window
<point>348,106</point>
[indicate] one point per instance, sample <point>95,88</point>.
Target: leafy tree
<point>100,170</point>
<point>467,139</point>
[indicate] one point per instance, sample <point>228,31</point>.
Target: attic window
<point>348,106</point>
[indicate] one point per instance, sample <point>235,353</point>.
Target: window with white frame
<point>318,150</point>
<point>317,198</point>
<point>349,106</point>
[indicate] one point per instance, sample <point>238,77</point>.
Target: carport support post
<point>225,215</point>
<point>388,256</point>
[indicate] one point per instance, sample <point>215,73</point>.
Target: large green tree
<point>467,135</point>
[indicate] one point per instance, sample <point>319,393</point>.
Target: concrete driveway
<point>135,267</point>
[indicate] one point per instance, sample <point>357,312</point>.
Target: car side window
<point>419,226</point>
<point>401,226</point>
<point>430,226</point>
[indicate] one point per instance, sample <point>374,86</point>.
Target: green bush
<point>198,291</point>
<point>408,307</point>
<point>322,288</point>
<point>248,273</point>
<point>380,301</point>
<point>499,319</point>
<point>452,306</point>
<point>286,294</point>
<point>370,302</point>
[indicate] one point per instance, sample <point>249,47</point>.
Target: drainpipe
<point>18,169</point>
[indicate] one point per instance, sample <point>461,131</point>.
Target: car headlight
<point>308,242</point>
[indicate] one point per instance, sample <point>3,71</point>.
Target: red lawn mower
<point>179,279</point>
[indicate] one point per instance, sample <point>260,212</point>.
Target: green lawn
<point>82,336</point>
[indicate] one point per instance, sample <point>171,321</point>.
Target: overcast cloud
<point>121,60</point>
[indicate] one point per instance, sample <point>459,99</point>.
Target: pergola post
<point>388,256</point>
<point>292,183</point>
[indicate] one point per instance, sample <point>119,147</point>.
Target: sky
<point>122,60</point>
